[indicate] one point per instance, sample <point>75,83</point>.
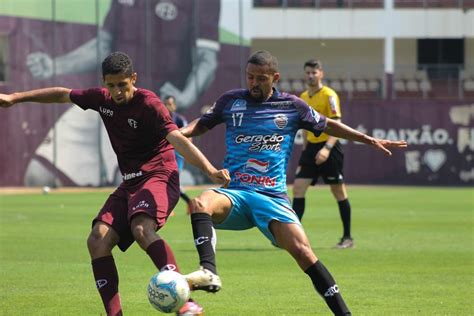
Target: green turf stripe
<point>227,37</point>
<point>72,11</point>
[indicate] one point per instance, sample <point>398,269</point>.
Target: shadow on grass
<point>241,250</point>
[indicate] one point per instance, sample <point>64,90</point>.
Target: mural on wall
<point>440,137</point>
<point>194,50</point>
<point>179,48</point>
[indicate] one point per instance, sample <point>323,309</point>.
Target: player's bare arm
<point>46,95</point>
<point>193,129</point>
<point>338,129</point>
<point>195,157</point>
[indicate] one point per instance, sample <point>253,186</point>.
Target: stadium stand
<point>465,4</point>
<point>407,84</point>
<point>319,3</point>
<point>434,3</point>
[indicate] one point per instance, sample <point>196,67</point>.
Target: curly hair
<point>117,63</point>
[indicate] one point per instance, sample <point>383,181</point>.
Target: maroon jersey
<point>137,130</point>
<point>161,34</point>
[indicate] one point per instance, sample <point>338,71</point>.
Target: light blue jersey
<point>259,137</point>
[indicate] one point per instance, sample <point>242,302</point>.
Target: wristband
<point>328,146</point>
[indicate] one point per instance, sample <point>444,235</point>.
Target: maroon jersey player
<point>142,134</point>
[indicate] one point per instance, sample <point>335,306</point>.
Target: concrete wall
<point>360,23</point>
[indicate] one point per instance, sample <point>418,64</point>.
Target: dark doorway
<point>442,58</point>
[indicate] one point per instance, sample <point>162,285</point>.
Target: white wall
<point>359,23</point>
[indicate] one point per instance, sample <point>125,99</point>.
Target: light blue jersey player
<point>259,140</point>
<point>261,124</point>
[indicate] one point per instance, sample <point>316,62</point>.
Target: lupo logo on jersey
<point>106,112</point>
<point>257,165</point>
<point>239,105</point>
<point>280,120</point>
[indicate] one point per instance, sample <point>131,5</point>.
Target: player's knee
<point>143,234</point>
<point>96,243</point>
<point>138,232</point>
<point>339,192</point>
<point>200,205</point>
<point>299,190</point>
<point>303,253</point>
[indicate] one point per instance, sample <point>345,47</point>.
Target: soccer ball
<point>168,291</point>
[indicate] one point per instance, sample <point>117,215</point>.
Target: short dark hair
<point>264,58</point>
<point>117,63</point>
<point>314,63</point>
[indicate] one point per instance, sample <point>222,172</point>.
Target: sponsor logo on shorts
<point>101,283</point>
<point>256,180</point>
<point>281,120</point>
<point>332,291</point>
<point>239,105</point>
<point>132,175</point>
<point>257,165</point>
<point>141,205</point>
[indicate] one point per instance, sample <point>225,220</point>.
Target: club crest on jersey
<point>132,123</point>
<point>280,120</point>
<point>239,105</point>
<point>257,165</point>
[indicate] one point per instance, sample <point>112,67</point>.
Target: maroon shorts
<point>155,196</point>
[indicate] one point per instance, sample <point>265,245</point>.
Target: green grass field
<point>414,255</point>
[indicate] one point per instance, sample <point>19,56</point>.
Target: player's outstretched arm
<point>46,95</point>
<point>341,130</point>
<point>193,129</point>
<point>195,157</point>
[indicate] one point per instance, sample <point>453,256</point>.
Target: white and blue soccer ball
<point>168,291</point>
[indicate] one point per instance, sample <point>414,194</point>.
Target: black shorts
<point>330,170</point>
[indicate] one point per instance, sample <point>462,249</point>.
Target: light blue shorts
<point>252,209</point>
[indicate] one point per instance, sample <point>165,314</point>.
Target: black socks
<point>203,233</point>
<point>326,286</point>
